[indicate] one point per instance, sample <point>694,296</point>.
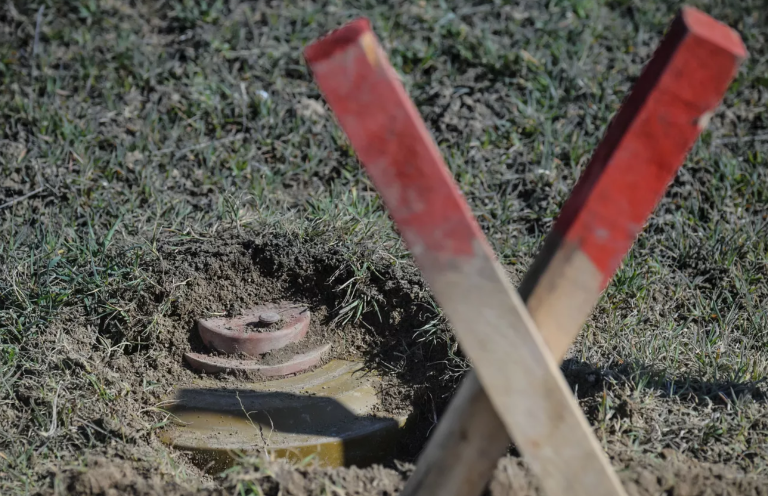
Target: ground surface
<point>180,163</point>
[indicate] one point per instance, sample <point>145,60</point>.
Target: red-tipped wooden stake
<point>643,148</point>
<point>488,316</point>
<point>629,172</point>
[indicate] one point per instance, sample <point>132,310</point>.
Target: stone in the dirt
<point>269,317</point>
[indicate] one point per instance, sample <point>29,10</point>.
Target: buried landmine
<point>645,144</point>
<point>327,413</point>
<point>248,389</point>
<point>449,246</point>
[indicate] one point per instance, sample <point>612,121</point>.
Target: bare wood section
<point>460,451</point>
<point>490,320</point>
<point>562,298</point>
<point>522,380</point>
<point>643,148</point>
<point>470,437</point>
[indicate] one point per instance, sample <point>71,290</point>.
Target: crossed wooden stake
<point>516,339</point>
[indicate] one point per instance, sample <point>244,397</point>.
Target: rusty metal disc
<point>299,363</point>
<point>250,334</point>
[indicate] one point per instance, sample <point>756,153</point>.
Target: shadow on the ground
<point>217,426</point>
<point>588,380</point>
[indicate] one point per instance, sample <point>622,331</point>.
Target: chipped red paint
<point>647,141</point>
<point>336,40</point>
<point>394,145</point>
<point>639,156</point>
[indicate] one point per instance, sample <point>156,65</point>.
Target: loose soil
<point>200,277</point>
<point>137,126</point>
<point>644,478</point>
<point>260,327</point>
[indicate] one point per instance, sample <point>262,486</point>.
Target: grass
<point>148,125</point>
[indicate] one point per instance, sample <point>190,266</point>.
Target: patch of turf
<point>133,129</point>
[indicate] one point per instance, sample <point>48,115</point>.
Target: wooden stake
<point>643,148</point>
<point>491,322</point>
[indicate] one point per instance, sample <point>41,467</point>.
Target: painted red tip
<point>336,40</point>
<point>650,136</point>
<point>714,31</point>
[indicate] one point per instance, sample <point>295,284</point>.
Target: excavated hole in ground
<point>199,278</point>
<point>192,278</point>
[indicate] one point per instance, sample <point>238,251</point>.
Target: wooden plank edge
<point>487,314</point>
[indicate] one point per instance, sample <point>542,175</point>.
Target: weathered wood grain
<point>524,383</point>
